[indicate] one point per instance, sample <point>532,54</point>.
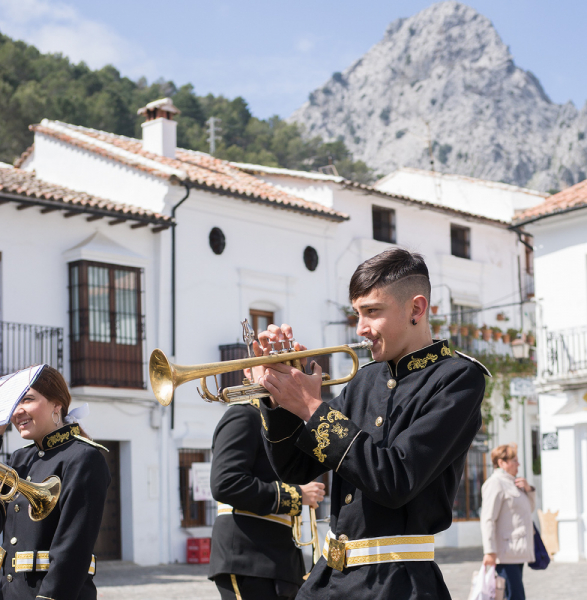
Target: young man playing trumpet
<point>396,438</point>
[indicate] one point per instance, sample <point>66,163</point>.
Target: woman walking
<point>506,520</point>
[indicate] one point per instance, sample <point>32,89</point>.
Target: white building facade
<point>559,228</point>
<point>242,241</point>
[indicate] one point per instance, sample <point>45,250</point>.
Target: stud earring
<point>414,322</point>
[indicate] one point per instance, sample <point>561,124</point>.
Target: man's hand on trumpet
<point>289,387</point>
<point>312,493</point>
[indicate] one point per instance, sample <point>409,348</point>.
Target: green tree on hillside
<point>34,86</point>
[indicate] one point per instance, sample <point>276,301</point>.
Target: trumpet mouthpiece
<point>363,344</point>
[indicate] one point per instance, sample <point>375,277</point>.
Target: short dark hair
<point>389,267</point>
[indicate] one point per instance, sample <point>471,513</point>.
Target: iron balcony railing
<point>22,345</point>
<point>564,353</point>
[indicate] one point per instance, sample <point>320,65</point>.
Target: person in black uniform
<point>52,559</point>
<point>396,439</point>
<point>253,556</point>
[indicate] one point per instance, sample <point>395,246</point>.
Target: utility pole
<point>213,132</point>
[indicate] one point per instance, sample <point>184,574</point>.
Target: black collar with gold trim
<point>60,436</point>
<point>420,359</point>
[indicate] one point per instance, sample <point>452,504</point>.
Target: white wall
<point>560,263</point>
<point>63,164</point>
<point>489,198</point>
<point>35,290</point>
<point>561,291</point>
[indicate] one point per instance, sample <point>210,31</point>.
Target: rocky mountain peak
<point>443,80</point>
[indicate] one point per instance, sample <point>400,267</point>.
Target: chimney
<point>159,130</point>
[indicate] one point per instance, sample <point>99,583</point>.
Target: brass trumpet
<point>166,376</point>
<point>314,541</point>
<point>42,496</point>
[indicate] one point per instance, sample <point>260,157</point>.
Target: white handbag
<point>486,584</point>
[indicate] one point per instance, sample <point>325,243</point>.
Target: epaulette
<point>371,362</point>
<point>474,360</point>
<point>81,438</point>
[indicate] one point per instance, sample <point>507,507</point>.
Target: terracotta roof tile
<point>571,198</point>
<point>195,169</point>
<point>18,183</point>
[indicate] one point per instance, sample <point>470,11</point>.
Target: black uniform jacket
<point>70,531</point>
<point>397,440</point>
<point>243,478</point>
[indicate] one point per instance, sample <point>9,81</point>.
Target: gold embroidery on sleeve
<point>294,502</point>
<point>323,430</point>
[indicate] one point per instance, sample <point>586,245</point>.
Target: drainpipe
<point>173,337</point>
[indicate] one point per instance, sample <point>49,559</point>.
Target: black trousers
<point>241,587</point>
<point>514,588</point>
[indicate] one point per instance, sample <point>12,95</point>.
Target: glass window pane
<point>126,301</point>
<point>98,304</point>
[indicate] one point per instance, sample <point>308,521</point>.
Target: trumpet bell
<point>162,375</point>
<point>44,499</point>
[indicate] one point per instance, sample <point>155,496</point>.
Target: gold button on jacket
<point>13,541</point>
<point>379,421</point>
<point>348,499</point>
<point>16,508</point>
<point>391,384</point>
<point>9,578</point>
<point>343,538</point>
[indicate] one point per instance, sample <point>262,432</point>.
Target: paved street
<point>125,581</point>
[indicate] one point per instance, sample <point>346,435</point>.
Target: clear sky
<point>274,53</point>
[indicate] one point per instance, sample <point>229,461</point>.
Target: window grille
<point>106,325</point>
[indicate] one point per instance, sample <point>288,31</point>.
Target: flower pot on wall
<point>352,320</point>
<point>434,309</point>
<point>506,338</point>
<point>530,339</point>
<point>486,333</point>
<point>464,330</point>
<point>497,335</point>
<point>453,328</point>
<point>474,332</point>
<point>436,329</point>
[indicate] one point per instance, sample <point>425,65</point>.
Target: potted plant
<point>496,333</point>
<point>510,335</point>
<point>436,324</point>
<point>500,316</point>
<point>434,309</point>
<point>474,331</point>
<point>464,330</point>
<point>530,339</point>
<point>486,333</point>
<point>351,318</point>
<point>453,328</point>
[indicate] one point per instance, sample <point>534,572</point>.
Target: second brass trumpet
<point>166,376</point>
